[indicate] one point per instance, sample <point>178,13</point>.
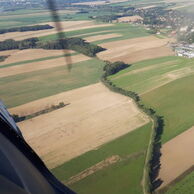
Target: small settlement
<point>184,50</point>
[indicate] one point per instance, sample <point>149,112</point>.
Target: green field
<point>28,17</point>
<point>146,75</point>
<point>22,12</point>
<point>174,100</point>
<point>123,177</point>
<point>33,16</point>
<point>127,31</point>
<point>22,88</point>
<point>184,186</point>
<point>10,22</point>
<point>139,3</point>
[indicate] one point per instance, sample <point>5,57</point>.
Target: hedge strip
<point>158,124</point>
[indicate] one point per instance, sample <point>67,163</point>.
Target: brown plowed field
<point>177,156</point>
<point>46,64</point>
<point>95,116</point>
<point>29,54</point>
<point>67,26</point>
<point>137,49</point>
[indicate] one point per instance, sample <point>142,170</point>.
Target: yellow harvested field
<point>66,26</point>
<point>178,7</point>
<point>129,19</point>
<point>149,54</point>
<point>177,156</point>
<point>147,7</point>
<point>102,37</point>
<point>95,116</point>
<point>46,64</point>
<point>92,3</point>
<point>137,49</point>
<point>8,52</point>
<point>177,1</point>
<point>117,1</point>
<point>30,54</point>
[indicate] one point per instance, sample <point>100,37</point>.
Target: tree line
<point>18,118</point>
<point>112,68</point>
<point>26,28</point>
<point>158,123</point>
<point>76,44</point>
<point>11,44</point>
<point>2,58</point>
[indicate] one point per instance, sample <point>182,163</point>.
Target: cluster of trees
<point>26,28</point>
<point>11,44</point>
<point>154,163</point>
<point>17,118</point>
<point>105,18</point>
<point>187,37</point>
<point>2,58</point>
<point>108,18</point>
<point>76,44</point>
<point>112,68</point>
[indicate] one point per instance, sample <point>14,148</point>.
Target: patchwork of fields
<point>15,56</point>
<point>164,85</point>
<point>93,117</point>
<point>66,26</point>
<point>124,30</point>
<point>95,120</point>
<point>124,176</point>
<point>101,138</point>
<point>23,88</point>
<point>136,49</point>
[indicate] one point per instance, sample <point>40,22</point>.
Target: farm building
<point>185,51</point>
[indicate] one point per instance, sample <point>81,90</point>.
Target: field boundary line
<point>176,180</point>
<point>152,164</point>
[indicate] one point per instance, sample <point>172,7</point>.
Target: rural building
<point>185,50</point>
<point>184,29</point>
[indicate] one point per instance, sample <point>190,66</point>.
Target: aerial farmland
<point>112,111</point>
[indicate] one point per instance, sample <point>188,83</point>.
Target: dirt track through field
<point>93,169</point>
<point>95,116</point>
<point>177,156</point>
<point>137,49</point>
<point>35,66</point>
<point>67,26</point>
